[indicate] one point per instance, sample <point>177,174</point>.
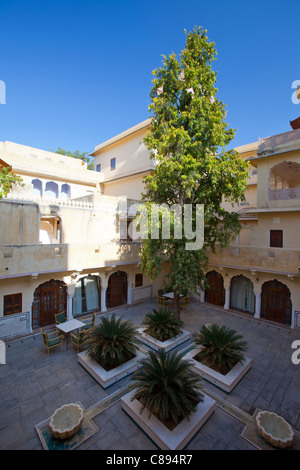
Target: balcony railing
<point>281,260</point>
<point>283,194</point>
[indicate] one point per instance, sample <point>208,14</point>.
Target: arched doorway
<point>116,293</point>
<point>215,293</point>
<point>49,299</point>
<point>276,302</point>
<point>242,296</point>
<point>87,295</point>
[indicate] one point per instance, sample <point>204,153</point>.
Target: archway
<point>116,293</point>
<point>87,295</point>
<point>49,299</point>
<point>276,302</point>
<point>242,296</point>
<point>215,293</point>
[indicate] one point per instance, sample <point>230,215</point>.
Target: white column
<point>202,296</point>
<point>293,317</point>
<point>103,299</point>
<point>227,298</point>
<point>257,305</point>
<point>129,293</point>
<point>70,307</point>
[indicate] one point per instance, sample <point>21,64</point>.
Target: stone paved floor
<point>33,386</point>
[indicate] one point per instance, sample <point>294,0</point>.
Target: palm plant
<point>167,387</point>
<point>222,346</point>
<point>162,324</point>
<point>112,342</point>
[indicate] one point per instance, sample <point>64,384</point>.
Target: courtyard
<point>34,385</point>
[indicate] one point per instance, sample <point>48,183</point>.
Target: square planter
<point>225,382</point>
<point>166,345</point>
<point>107,378</point>
<point>158,432</point>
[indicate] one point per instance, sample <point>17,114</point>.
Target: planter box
<point>158,432</point>
<point>225,382</point>
<point>166,345</point>
<point>107,378</point>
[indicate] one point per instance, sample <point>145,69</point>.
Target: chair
<point>185,302</point>
<point>60,318</point>
<point>89,323</point>
<point>77,339</point>
<point>164,301</point>
<point>51,341</point>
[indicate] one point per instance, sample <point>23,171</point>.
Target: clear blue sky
<point>79,72</point>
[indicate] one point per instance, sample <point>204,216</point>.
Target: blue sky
<point>79,72</point>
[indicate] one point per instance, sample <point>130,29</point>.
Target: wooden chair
<point>89,323</point>
<point>51,340</point>
<point>164,302</point>
<point>185,302</point>
<point>76,339</point>
<point>60,318</point>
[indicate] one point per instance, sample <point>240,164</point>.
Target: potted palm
<point>219,355</point>
<point>167,402</point>
<point>161,329</point>
<point>111,350</point>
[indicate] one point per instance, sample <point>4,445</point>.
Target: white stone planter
<point>166,345</point>
<point>225,382</point>
<point>158,432</point>
<point>107,378</point>
<point>274,429</point>
<point>66,421</point>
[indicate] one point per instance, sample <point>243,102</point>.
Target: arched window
<point>87,295</point>
<point>215,292</point>
<point>51,189</point>
<point>116,293</point>
<point>37,187</point>
<point>241,294</point>
<point>276,302</point>
<point>49,299</point>
<point>65,191</point>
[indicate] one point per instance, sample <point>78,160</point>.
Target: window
<point>113,164</point>
<point>12,304</point>
<point>98,167</point>
<point>276,238</point>
<point>51,189</point>
<point>138,280</point>
<point>125,230</point>
<point>37,187</point>
<point>65,191</point>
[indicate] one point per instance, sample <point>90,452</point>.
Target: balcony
<point>283,194</point>
<point>23,260</point>
<point>253,258</point>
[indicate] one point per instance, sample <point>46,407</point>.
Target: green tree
<point>188,140</point>
<point>7,180</point>
<point>76,154</point>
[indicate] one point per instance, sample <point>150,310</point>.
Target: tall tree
<point>7,180</point>
<point>76,154</point>
<point>188,140</point>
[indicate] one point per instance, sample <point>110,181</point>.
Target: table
<point>170,295</point>
<point>69,326</point>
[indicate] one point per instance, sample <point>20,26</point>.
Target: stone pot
<point>274,429</point>
<point>66,421</point>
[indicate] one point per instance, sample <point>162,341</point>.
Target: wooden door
<point>49,305</point>
<point>117,289</point>
<point>215,293</point>
<point>276,302</point>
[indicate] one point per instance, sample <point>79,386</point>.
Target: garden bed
<point>159,432</point>
<point>107,377</point>
<point>166,345</point>
<point>225,382</point>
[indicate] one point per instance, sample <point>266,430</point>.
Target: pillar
<point>257,305</point>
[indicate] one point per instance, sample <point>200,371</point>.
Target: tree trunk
<point>176,305</point>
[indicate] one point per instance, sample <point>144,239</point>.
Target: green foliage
<point>162,324</point>
<point>166,385</point>
<point>7,180</point>
<point>222,345</point>
<point>112,341</point>
<point>188,139</point>
<point>76,154</point>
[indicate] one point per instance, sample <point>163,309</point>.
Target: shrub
<point>223,347</point>
<point>112,342</point>
<point>167,387</point>
<point>162,324</point>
